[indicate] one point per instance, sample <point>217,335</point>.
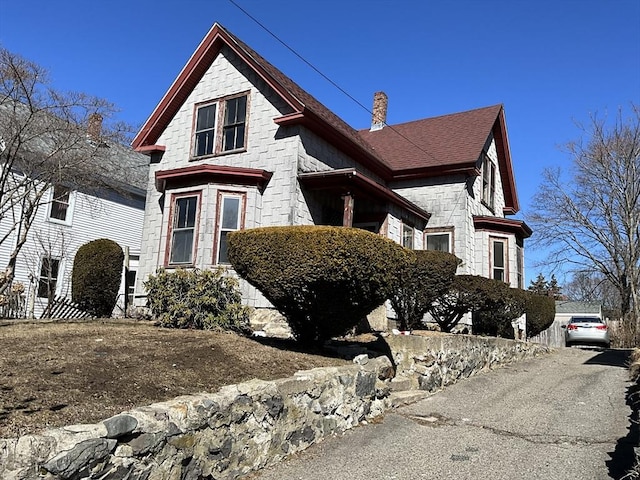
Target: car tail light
<point>572,327</point>
<point>601,327</point>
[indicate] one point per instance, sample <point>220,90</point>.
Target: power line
<point>366,109</point>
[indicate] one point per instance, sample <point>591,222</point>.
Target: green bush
<point>541,311</point>
<point>501,306</point>
<point>202,299</point>
<point>422,277</point>
<point>96,276</point>
<point>324,280</point>
<point>466,294</point>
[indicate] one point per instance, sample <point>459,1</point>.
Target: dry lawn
<point>56,374</point>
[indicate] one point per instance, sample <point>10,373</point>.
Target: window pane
<point>59,203</point>
<point>181,247</point>
<point>230,212</point>
<point>407,236</point>
<point>48,276</point>
<point>206,117</point>
<point>229,139</point>
<point>239,143</point>
<point>204,143</point>
<point>439,241</point>
<point>498,274</point>
<point>185,215</point>
<point>231,112</point>
<point>498,254</point>
<point>222,252</point>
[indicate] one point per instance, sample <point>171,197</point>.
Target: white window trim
<point>58,289</point>
<point>413,234</point>
<point>69,218</point>
<point>241,196</point>
<point>444,231</point>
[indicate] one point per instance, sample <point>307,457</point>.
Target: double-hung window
<point>499,257</point>
<point>205,130</point>
<point>60,203</point>
<point>488,182</point>
<point>235,114</point>
<point>220,126</point>
<point>48,280</point>
<point>183,229</point>
<point>230,207</point>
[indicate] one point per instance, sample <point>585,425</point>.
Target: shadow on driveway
<point>611,357</point>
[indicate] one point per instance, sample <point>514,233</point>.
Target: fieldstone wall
<point>246,427</point>
<point>436,360</point>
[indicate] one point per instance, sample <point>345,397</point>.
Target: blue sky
<point>551,63</point>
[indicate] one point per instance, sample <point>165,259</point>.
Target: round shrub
<point>422,277</point>
<point>202,299</point>
<point>96,276</point>
<point>501,306</point>
<point>324,280</point>
<point>466,294</point>
<point>541,311</point>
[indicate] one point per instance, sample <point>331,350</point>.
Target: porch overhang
<point>199,174</point>
<point>349,181</point>
<point>505,225</point>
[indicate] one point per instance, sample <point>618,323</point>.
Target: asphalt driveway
<point>558,417</point>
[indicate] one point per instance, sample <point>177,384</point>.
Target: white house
<point>71,216</point>
<point>235,143</point>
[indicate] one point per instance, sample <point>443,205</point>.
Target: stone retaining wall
<point>246,427</point>
<point>434,360</point>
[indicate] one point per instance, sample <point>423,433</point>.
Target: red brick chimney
<point>379,118</point>
<point>94,129</point>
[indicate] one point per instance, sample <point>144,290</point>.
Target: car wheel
<point>568,344</point>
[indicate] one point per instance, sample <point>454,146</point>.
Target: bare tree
<point>48,138</point>
<point>591,221</point>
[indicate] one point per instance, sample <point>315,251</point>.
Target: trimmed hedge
<point>201,299</point>
<point>541,311</point>
<point>502,305</point>
<point>324,280</point>
<point>96,276</point>
<point>466,294</point>
<point>424,276</point>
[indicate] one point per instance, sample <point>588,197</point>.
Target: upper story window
<point>438,241</point>
<point>205,130</point>
<point>520,265</point>
<point>220,126</point>
<point>488,182</point>
<point>407,236</point>
<point>183,229</point>
<point>59,210</point>
<point>234,123</point>
<point>230,212</point>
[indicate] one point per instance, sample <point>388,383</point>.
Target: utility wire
<point>366,109</point>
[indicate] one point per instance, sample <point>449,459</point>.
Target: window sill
<point>218,154</point>
<point>59,222</point>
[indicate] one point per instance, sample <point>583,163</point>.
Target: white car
<point>585,330</point>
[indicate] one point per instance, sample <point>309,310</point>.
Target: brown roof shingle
<point>449,142</point>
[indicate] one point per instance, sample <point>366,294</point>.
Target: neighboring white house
<point>236,144</point>
<point>69,218</point>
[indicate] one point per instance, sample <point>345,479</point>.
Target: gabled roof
<point>305,109</point>
<point>435,146</point>
<point>445,145</point>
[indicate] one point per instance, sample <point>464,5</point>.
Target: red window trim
<point>167,254</point>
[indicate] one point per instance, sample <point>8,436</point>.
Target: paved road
<point>559,417</point>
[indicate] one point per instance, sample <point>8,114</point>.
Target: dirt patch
<point>58,374</point>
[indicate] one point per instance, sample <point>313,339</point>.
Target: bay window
<point>183,229</point>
